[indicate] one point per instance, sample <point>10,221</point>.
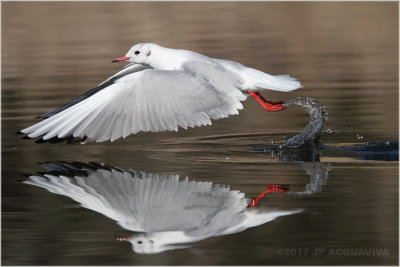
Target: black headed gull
<point>160,90</point>
<point>167,211</point>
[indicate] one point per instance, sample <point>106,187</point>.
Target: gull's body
<point>165,210</point>
<point>162,89</point>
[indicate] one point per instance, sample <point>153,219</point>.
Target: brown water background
<point>345,55</point>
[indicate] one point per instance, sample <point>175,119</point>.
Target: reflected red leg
<point>272,188</point>
<point>268,105</point>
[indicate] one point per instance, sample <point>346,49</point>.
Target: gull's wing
<point>128,69</point>
<point>139,201</point>
<point>147,100</point>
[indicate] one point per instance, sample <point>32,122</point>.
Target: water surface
<point>346,56</point>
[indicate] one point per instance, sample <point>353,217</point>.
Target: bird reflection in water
<point>169,213</point>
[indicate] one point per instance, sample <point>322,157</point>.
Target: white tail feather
<point>256,80</point>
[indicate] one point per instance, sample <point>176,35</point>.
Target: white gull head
<point>141,53</point>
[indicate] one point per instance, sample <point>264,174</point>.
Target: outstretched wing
<point>147,100</point>
<point>140,201</point>
<point>128,69</point>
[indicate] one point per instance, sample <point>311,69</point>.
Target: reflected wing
<point>148,100</point>
<point>139,201</point>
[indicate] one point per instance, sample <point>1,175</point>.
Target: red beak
<point>119,59</point>
<point>123,238</point>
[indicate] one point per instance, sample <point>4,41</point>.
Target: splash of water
<point>311,133</point>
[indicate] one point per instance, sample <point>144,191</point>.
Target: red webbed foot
<point>268,105</point>
<point>272,188</point>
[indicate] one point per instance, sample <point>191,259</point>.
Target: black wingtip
<point>72,169</point>
<point>19,132</point>
<point>55,140</point>
<point>26,137</point>
<point>73,140</point>
<point>40,141</point>
<point>44,115</point>
<point>101,166</point>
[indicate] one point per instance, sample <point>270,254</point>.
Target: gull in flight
<point>160,90</point>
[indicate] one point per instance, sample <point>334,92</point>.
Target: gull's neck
<point>163,58</point>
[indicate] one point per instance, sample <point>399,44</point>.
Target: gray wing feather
<point>128,69</point>
<point>148,100</point>
<point>143,202</point>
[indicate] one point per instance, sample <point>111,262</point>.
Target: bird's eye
<point>140,242</point>
<point>137,52</point>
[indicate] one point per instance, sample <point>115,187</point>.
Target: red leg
<point>272,188</point>
<point>268,105</point>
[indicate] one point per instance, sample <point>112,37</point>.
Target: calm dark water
<point>345,54</point>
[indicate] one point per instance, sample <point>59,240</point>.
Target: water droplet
<point>360,136</point>
<point>272,142</point>
<point>328,130</point>
<point>227,158</point>
<point>387,143</point>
